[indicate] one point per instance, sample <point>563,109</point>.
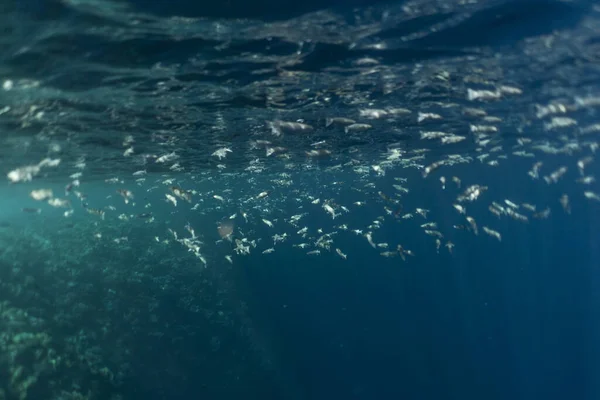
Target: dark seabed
<point>299,200</point>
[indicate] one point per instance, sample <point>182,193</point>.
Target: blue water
<point>102,298</point>
<point>515,322</point>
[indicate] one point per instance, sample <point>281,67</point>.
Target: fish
<point>279,127</point>
<point>96,211</point>
<point>126,194</point>
<point>172,199</point>
<point>182,194</point>
<point>338,121</point>
<point>357,128</point>
<point>262,195</point>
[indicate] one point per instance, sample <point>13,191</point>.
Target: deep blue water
<point>516,322</point>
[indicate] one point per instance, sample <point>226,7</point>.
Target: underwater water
<point>299,200</point>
